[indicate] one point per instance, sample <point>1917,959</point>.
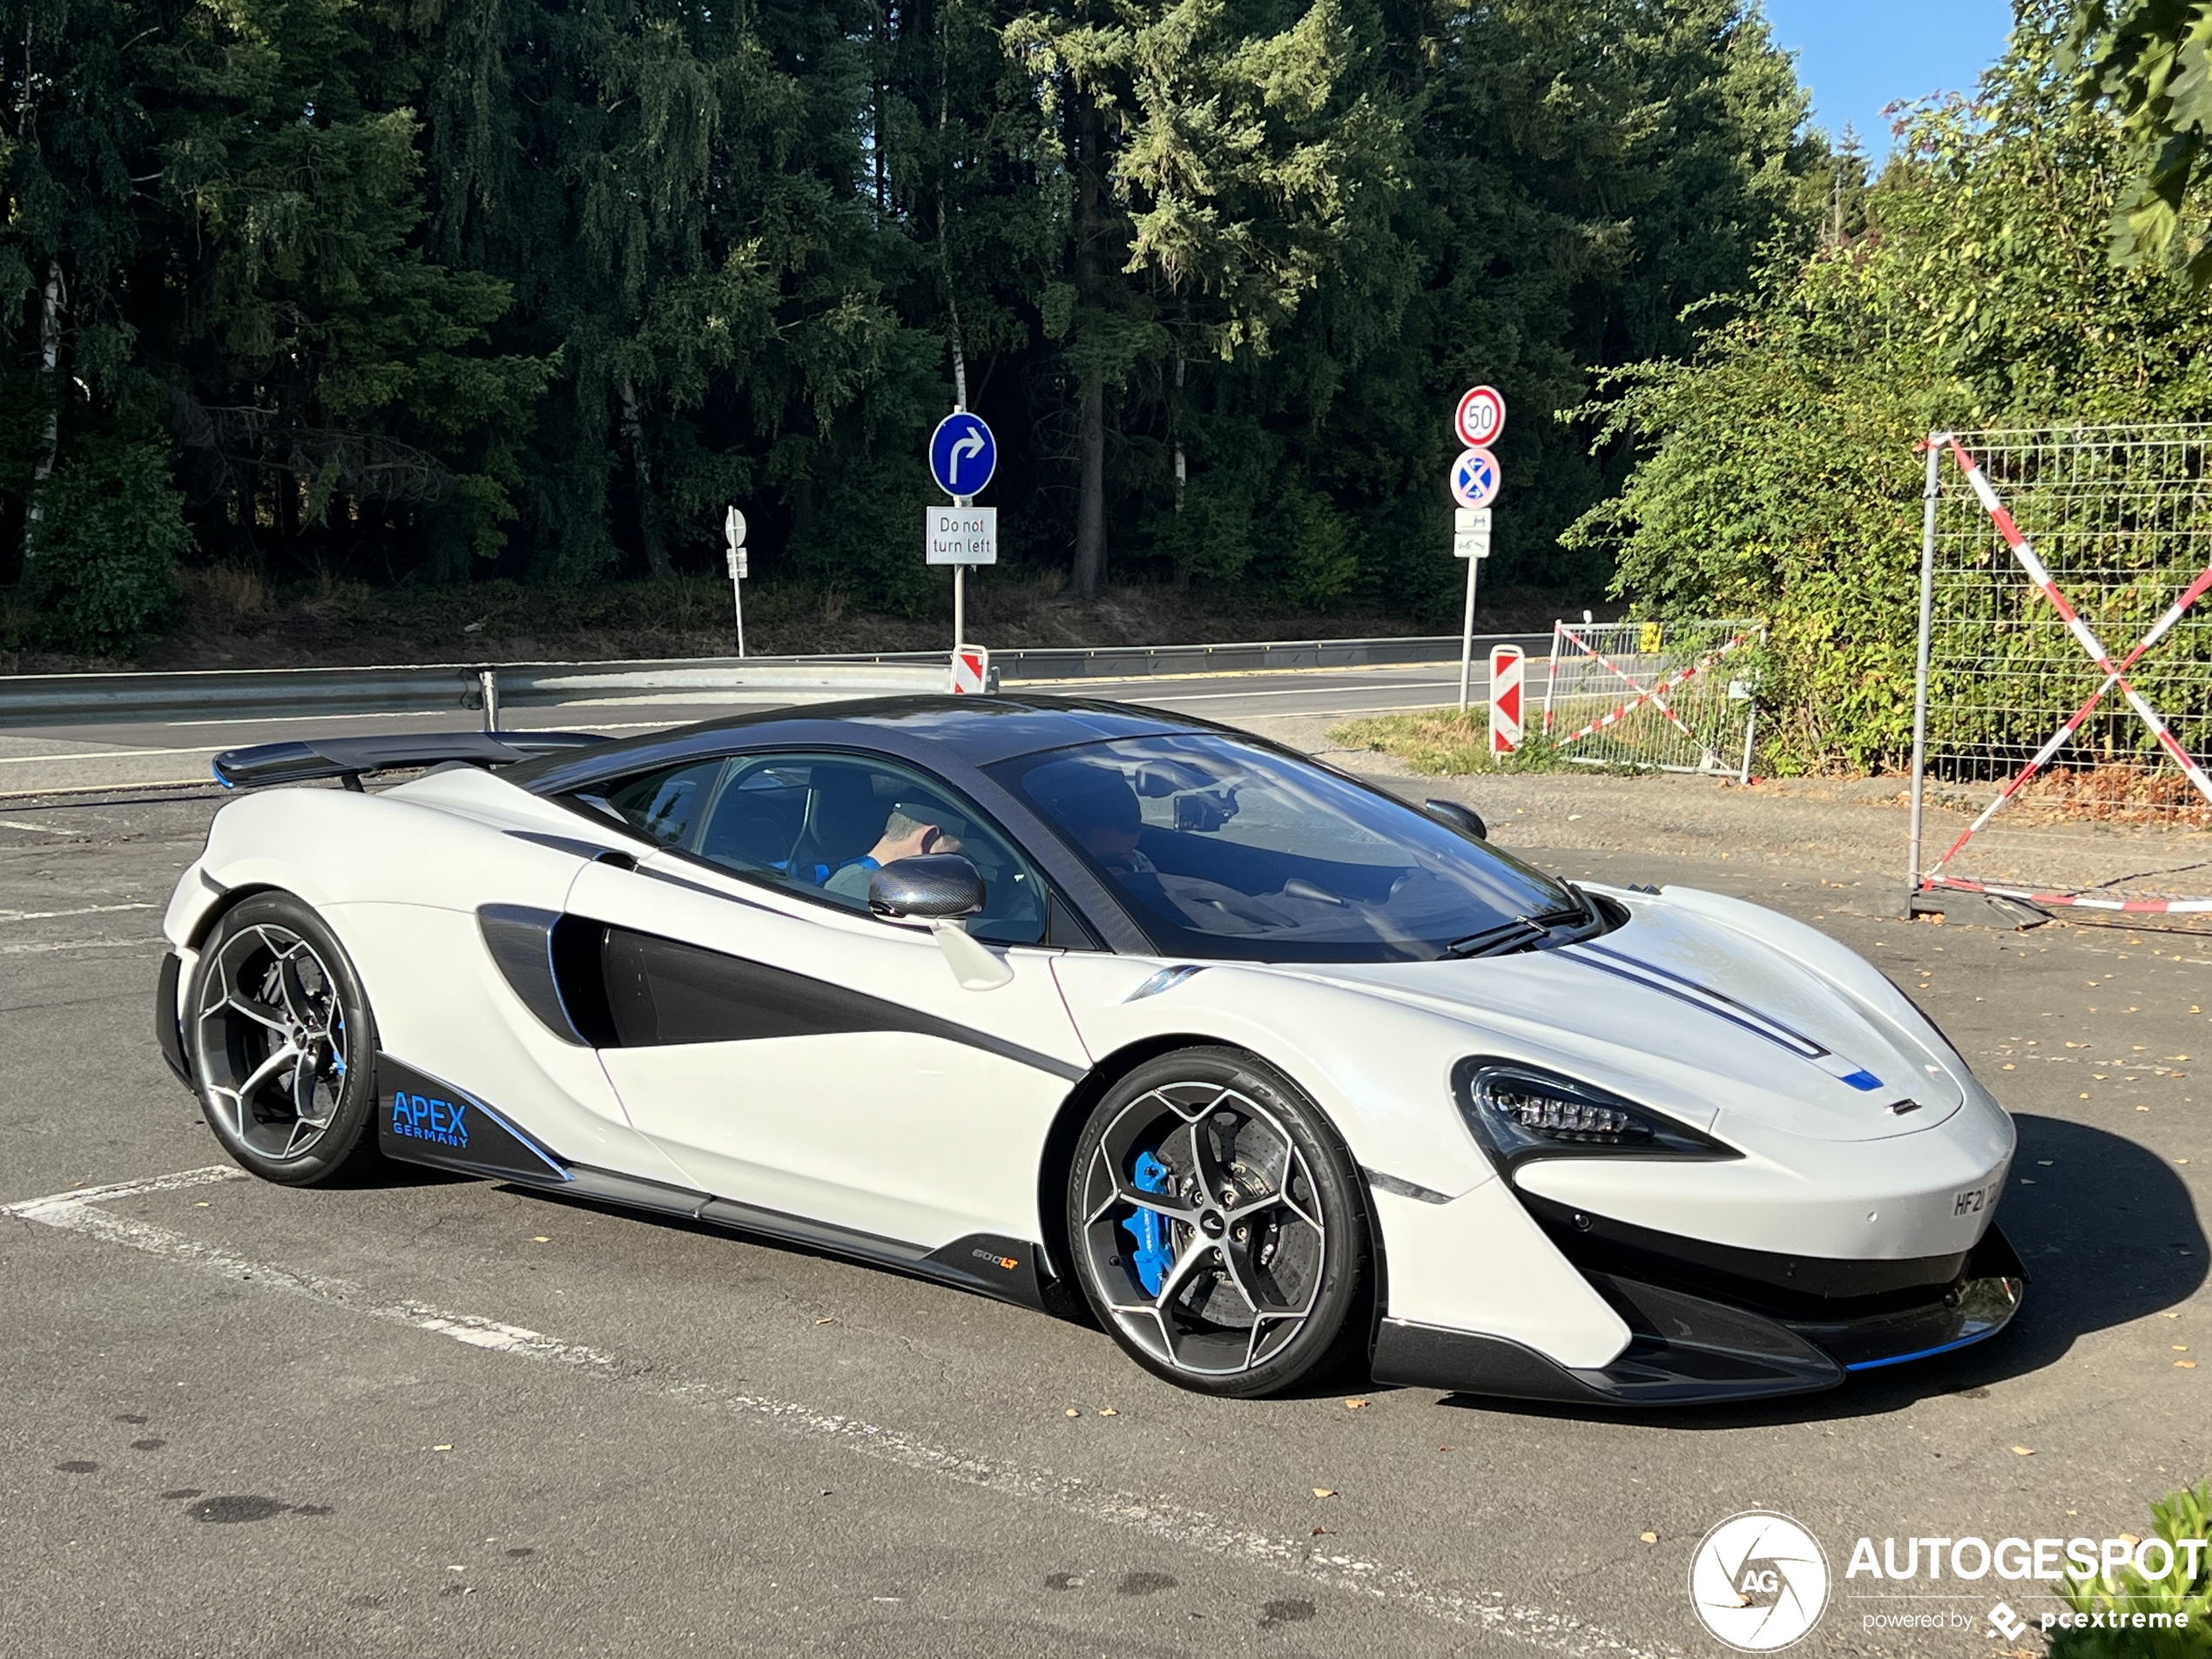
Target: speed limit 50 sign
<point>1480,417</point>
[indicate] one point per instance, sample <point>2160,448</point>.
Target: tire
<point>282,1043</point>
<point>1286,1292</point>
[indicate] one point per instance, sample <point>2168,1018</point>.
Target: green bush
<point>1778,476</point>
<point>2186,1514</point>
<point>102,578</point>
<point>103,571</point>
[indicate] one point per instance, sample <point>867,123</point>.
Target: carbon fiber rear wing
<point>352,758</point>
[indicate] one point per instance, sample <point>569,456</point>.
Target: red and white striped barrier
<point>2115,675</point>
<point>2077,901</point>
<point>1505,699</point>
<point>1654,695</point>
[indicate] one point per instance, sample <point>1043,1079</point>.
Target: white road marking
<point>79,944</point>
<point>1295,690</point>
<point>304,719</point>
<point>207,1175</point>
<point>1170,1521</point>
<point>112,754</point>
<point>82,910</point>
<point>40,829</point>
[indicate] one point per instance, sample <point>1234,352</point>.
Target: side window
<point>823,825</point>
<point>666,805</point>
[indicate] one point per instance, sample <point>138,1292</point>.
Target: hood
<point>1673,987</point>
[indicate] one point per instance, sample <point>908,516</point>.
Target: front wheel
<point>1219,1229</point>
<point>280,1042</point>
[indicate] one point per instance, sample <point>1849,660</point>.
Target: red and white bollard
<point>1505,699</point>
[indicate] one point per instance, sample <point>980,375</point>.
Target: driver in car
<point>905,834</point>
<point>1100,805</point>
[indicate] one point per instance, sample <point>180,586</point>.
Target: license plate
<point>1974,1200</point>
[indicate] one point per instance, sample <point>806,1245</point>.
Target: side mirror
<point>940,888</point>
<point>933,886</point>
<point>1465,819</point>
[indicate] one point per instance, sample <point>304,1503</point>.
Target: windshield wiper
<point>1521,930</point>
<point>1520,934</point>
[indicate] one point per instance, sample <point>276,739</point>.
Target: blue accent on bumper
<point>1926,1353</point>
<point>1864,1079</point>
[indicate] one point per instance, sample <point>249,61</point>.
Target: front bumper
<point>1705,1338</point>
<point>168,1034</point>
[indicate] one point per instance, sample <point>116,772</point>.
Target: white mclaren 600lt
<point>1082,1006</point>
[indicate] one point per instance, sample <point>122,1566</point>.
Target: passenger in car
<point>1098,802</point>
<point>905,834</point>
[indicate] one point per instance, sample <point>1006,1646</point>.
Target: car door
<point>792,1052</point>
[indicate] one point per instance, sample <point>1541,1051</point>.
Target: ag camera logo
<point>1758,1581</point>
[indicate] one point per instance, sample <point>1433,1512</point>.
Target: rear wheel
<point>282,1043</point>
<point>1217,1227</point>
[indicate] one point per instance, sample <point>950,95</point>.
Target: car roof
<point>968,731</point>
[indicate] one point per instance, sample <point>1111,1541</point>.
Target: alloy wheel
<point>271,1041</point>
<point>1202,1223</point>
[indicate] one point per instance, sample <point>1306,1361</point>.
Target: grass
<point>1445,743</point>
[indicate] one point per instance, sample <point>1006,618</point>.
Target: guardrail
<point>77,699</point>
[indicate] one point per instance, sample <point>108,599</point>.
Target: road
<point>167,753</point>
<point>432,1415</point>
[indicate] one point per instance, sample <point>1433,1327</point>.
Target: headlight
<point>1520,1112</point>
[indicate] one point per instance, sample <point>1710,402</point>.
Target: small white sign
<point>737,571</point>
<point>1470,532</point>
<point>971,670</point>
<point>733,528</point>
<point>961,535</point>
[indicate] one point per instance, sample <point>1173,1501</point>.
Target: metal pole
<point>1929,496</point>
<point>960,609</point>
<point>736,594</point>
<point>488,679</point>
<point>1551,674</point>
<point>1466,638</point>
<point>1750,728</point>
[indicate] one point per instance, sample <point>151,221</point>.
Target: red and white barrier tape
<point>2116,674</point>
<point>1656,695</point>
<point>2080,902</point>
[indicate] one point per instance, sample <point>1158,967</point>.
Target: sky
<point>1856,56</point>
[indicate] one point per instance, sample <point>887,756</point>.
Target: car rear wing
<point>352,758</point>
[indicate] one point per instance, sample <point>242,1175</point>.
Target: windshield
<point>1224,849</point>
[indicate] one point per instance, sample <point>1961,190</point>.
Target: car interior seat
<point>844,820</point>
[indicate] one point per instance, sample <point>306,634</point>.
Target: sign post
<point>962,457</point>
<point>733,534</point>
<point>1475,481</point>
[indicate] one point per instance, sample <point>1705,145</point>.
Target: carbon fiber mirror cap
<point>931,887</point>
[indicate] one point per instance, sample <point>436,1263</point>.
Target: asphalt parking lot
<point>432,1415</point>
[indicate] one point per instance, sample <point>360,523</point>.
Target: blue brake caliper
<point>1152,1258</point>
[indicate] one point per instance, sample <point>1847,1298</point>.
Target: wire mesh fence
<point>1669,697</point>
<point>2069,667</point>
